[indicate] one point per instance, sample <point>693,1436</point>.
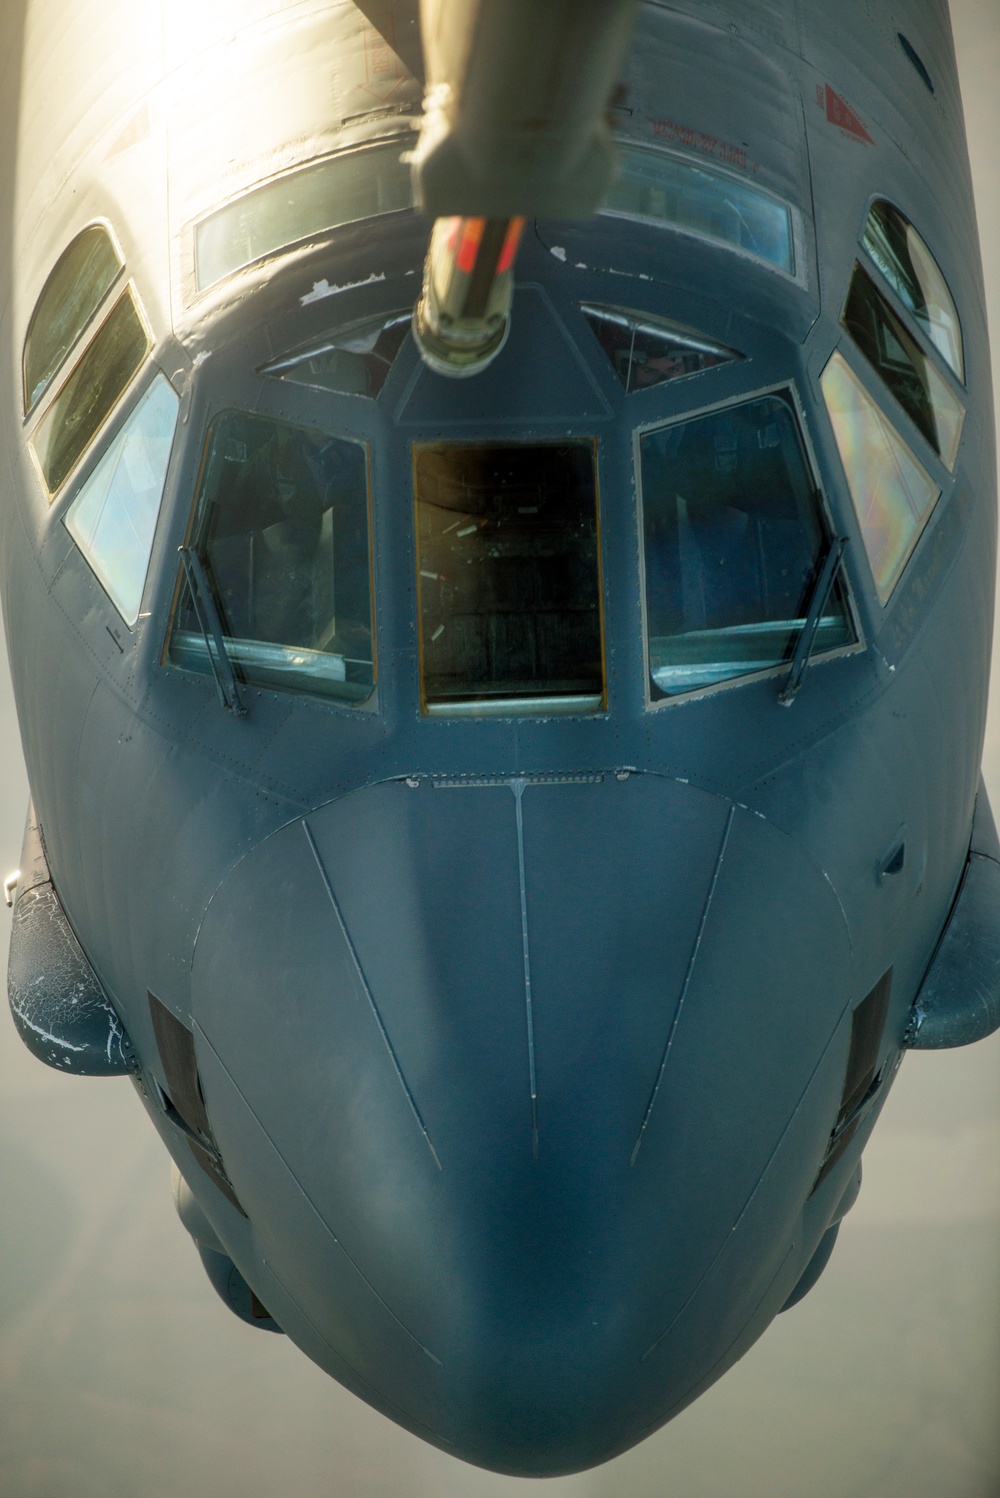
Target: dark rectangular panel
<point>867,1025</point>
<point>176,1046</point>
<point>837,1150</point>
<point>509,574</point>
<point>212,1167</point>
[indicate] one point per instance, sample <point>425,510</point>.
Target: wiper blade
<point>210,625</point>
<point>822,589</point>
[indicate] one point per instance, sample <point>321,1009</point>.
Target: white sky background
<point>122,1376</point>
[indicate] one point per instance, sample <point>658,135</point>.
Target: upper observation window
<point>734,542</point>
<point>113,518</point>
<point>646,350</point>
<point>915,276</point>
<point>100,377</point>
<point>343,189</point>
<point>509,578</point>
<point>670,190</point>
<point>354,360</point>
<point>893,493</point>
<point>77,285</point>
<point>922,392</point>
<point>281,529</point>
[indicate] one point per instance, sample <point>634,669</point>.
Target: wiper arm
<point>210,625</point>
<point>821,591</point>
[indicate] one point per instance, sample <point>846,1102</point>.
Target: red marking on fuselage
<point>704,143</point>
<point>840,113</point>
<point>383,70</point>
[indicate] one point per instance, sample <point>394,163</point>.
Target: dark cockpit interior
<point>282,531</point>
<point>509,577</point>
<point>733,541</point>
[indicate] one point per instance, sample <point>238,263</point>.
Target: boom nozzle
<point>514,125</point>
<point>463,316</point>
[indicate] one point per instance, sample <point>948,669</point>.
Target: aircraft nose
<point>495,1066</point>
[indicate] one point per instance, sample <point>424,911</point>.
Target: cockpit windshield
<point>282,531</point>
<point>734,541</point>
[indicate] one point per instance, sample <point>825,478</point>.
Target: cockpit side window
<point>509,578</point>
<point>893,493</point>
<point>77,285</point>
<point>696,199</point>
<point>904,368</point>
<point>343,189</point>
<point>100,377</point>
<point>113,517</point>
<point>915,276</point>
<point>734,542</point>
<point>282,531</point>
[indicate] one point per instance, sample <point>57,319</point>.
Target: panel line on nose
<point>685,985</point>
<point>368,993</point>
<point>517,786</point>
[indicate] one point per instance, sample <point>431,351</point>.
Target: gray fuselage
<point>521,1029</point>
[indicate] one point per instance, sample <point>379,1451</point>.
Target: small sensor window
<point>509,578</point>
<point>644,351</point>
<point>355,360</point>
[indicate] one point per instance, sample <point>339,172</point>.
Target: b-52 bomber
<point>498,558</point>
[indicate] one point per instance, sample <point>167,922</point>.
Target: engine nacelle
<point>60,1008</point>
<point>226,1280</point>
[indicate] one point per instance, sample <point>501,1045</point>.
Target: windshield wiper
<point>821,590</point>
<point>210,625</point>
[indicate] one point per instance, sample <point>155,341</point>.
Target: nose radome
<point>520,1051</point>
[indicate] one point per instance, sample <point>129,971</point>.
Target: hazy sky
<point>121,1375</point>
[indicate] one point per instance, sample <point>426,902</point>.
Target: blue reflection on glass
<point>670,190</point>
<point>113,517</point>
